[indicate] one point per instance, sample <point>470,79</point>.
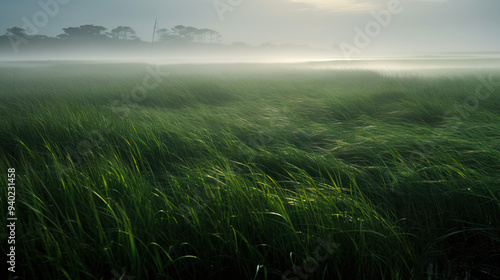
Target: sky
<point>353,26</point>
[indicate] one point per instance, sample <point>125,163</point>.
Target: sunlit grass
<point>241,171</point>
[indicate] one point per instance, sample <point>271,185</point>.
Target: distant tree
<point>187,34</point>
<point>16,36</point>
<point>92,30</point>
<point>123,33</point>
<point>201,35</point>
<point>181,33</point>
<point>178,34</point>
<point>165,35</point>
<point>214,36</point>
<point>190,33</point>
<point>84,31</point>
<point>16,31</point>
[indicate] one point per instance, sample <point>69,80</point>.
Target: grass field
<point>250,172</point>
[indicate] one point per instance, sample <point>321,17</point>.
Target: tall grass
<point>243,171</point>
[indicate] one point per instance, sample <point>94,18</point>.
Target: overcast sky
<point>414,25</point>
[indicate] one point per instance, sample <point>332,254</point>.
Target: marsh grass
<point>238,171</point>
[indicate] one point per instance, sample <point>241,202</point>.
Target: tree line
<point>177,34</point>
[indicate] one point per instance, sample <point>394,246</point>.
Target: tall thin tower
<point>153,39</point>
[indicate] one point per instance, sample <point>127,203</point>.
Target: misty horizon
<point>333,28</point>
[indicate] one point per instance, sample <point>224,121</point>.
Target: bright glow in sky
<point>340,5</point>
<point>422,25</point>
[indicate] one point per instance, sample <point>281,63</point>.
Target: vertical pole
<point>153,39</point>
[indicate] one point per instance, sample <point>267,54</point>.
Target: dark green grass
<point>242,171</point>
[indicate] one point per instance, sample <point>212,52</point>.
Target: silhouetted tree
<point>123,33</point>
<point>165,35</point>
<point>84,31</point>
<point>16,31</point>
<point>215,37</point>
<point>182,33</point>
<point>187,34</point>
